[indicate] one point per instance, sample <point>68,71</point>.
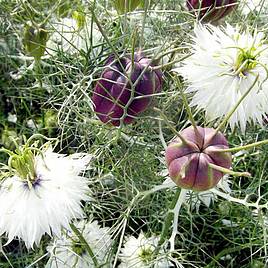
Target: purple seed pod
<point>211,10</point>
<point>188,163</point>
<point>125,89</point>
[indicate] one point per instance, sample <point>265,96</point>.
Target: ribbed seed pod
<point>188,163</point>
<point>125,89</point>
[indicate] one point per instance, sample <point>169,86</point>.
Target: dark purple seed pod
<point>211,10</point>
<point>125,89</point>
<point>188,163</point>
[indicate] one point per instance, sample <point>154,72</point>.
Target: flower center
<point>146,254</point>
<point>78,248</point>
<point>246,60</point>
<point>33,183</point>
<point>24,165</point>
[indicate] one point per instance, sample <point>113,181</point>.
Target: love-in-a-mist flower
<point>69,251</point>
<point>72,35</point>
<point>226,63</point>
<point>42,194</point>
<point>139,253</point>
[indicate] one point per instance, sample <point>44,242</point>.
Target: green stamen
<point>246,60</point>
<point>146,254</point>
<point>78,248</point>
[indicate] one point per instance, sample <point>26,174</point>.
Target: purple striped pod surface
<point>189,161</point>
<point>125,88</point>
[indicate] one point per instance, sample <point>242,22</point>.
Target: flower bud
<point>80,19</point>
<point>125,89</point>
<point>211,10</point>
<point>188,162</point>
<point>34,40</point>
<point>123,6</point>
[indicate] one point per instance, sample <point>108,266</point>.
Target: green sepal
<point>34,40</point>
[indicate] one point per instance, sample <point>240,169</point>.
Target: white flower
<point>207,197</point>
<point>68,252</point>
<point>253,5</point>
<point>138,253</point>
<point>194,199</point>
<point>229,223</point>
<point>12,118</point>
<point>31,124</point>
<point>223,66</point>
<point>69,37</point>
<point>44,206</point>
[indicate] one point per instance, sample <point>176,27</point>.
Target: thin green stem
<point>168,221</point>
<point>37,69</point>
<point>170,63</point>
<point>146,7</point>
<point>38,136</point>
<point>186,104</point>
<point>85,244</point>
<point>104,34</point>
<point>170,52</point>
<point>170,126</point>
<point>4,150</point>
<point>228,116</point>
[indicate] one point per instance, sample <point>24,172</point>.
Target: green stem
<point>147,4</point>
<point>244,147</point>
<point>168,221</point>
<point>39,136</point>
<point>170,63</point>
<point>37,69</point>
<point>85,244</point>
<point>170,126</point>
<point>104,34</point>
<point>169,52</point>
<point>229,171</point>
<point>185,102</point>
<point>228,116</point>
<point>225,252</point>
<point>4,150</point>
